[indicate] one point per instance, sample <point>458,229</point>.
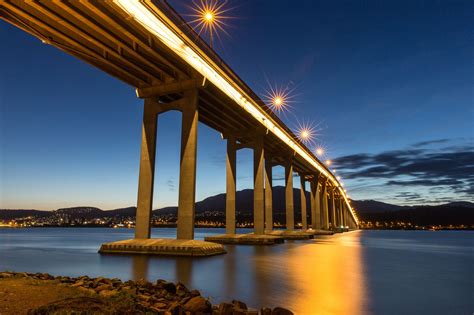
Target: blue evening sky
<point>379,78</point>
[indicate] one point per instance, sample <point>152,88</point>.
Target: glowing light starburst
<point>306,134</point>
<point>209,17</point>
<point>278,98</point>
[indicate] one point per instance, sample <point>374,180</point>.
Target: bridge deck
<point>106,36</point>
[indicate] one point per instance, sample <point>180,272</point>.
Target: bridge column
<point>187,176</point>
<point>268,196</point>
<point>315,205</point>
<point>230,186</point>
<point>290,211</point>
<point>325,208</point>
<point>333,210</point>
<point>258,190</point>
<point>304,218</point>
<point>341,210</point>
<point>147,170</point>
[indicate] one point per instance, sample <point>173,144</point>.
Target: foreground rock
<point>112,296</point>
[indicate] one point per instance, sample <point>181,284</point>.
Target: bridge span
<point>147,45</point>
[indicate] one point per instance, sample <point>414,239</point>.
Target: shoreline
<point>110,296</point>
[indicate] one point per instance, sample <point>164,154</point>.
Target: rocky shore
<point>113,296</point>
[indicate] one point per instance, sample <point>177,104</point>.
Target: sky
<point>387,84</point>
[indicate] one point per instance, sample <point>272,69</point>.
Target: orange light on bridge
<point>208,17</point>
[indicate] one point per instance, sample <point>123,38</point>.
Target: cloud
<point>171,185</point>
<point>443,169</point>
<point>430,142</point>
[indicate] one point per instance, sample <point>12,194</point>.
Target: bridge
<point>147,45</point>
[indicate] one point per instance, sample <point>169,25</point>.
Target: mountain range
<point>368,210</point>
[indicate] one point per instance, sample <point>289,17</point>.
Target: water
<point>362,272</point>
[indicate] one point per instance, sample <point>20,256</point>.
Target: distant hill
<point>8,214</point>
<point>372,206</point>
<point>426,215</point>
<point>368,210</point>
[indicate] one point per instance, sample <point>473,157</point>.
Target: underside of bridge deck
<point>147,45</point>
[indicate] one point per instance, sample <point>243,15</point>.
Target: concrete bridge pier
<point>315,205</point>
<point>304,218</point>
<point>325,206</point>
<point>259,236</point>
<point>258,189</point>
<point>184,244</point>
<point>333,210</point>
<point>147,170</point>
<point>230,186</point>
<point>268,196</point>
<point>289,205</point>
<point>187,175</point>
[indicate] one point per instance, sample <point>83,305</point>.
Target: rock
<point>108,293</point>
<point>86,290</point>
<point>198,304</point>
<point>129,290</point>
<point>225,309</point>
<point>144,297</point>
<point>176,309</point>
<point>239,304</point>
<point>185,300</point>
<point>103,287</point>
<point>160,306</point>
<point>79,283</point>
<point>6,275</point>
<point>281,311</point>
<point>194,293</point>
<point>170,287</point>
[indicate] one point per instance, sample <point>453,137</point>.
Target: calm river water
<point>361,272</point>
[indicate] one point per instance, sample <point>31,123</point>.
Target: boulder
<point>176,309</point>
<point>6,275</point>
<point>225,309</point>
<point>239,304</point>
<point>79,283</point>
<point>103,287</point>
<point>194,293</point>
<point>108,293</point>
<point>198,304</point>
<point>170,287</point>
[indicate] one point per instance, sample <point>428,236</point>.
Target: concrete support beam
<point>304,219</point>
<point>315,205</point>
<point>230,186</point>
<point>187,176</point>
<point>258,190</point>
<point>341,211</point>
<point>290,210</point>
<point>147,171</point>
<point>325,206</point>
<point>268,196</point>
<point>333,210</point>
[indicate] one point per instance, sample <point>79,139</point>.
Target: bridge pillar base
<point>245,239</point>
<point>292,235</point>
<point>163,246</point>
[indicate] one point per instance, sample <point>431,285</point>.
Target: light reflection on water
<point>362,272</point>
